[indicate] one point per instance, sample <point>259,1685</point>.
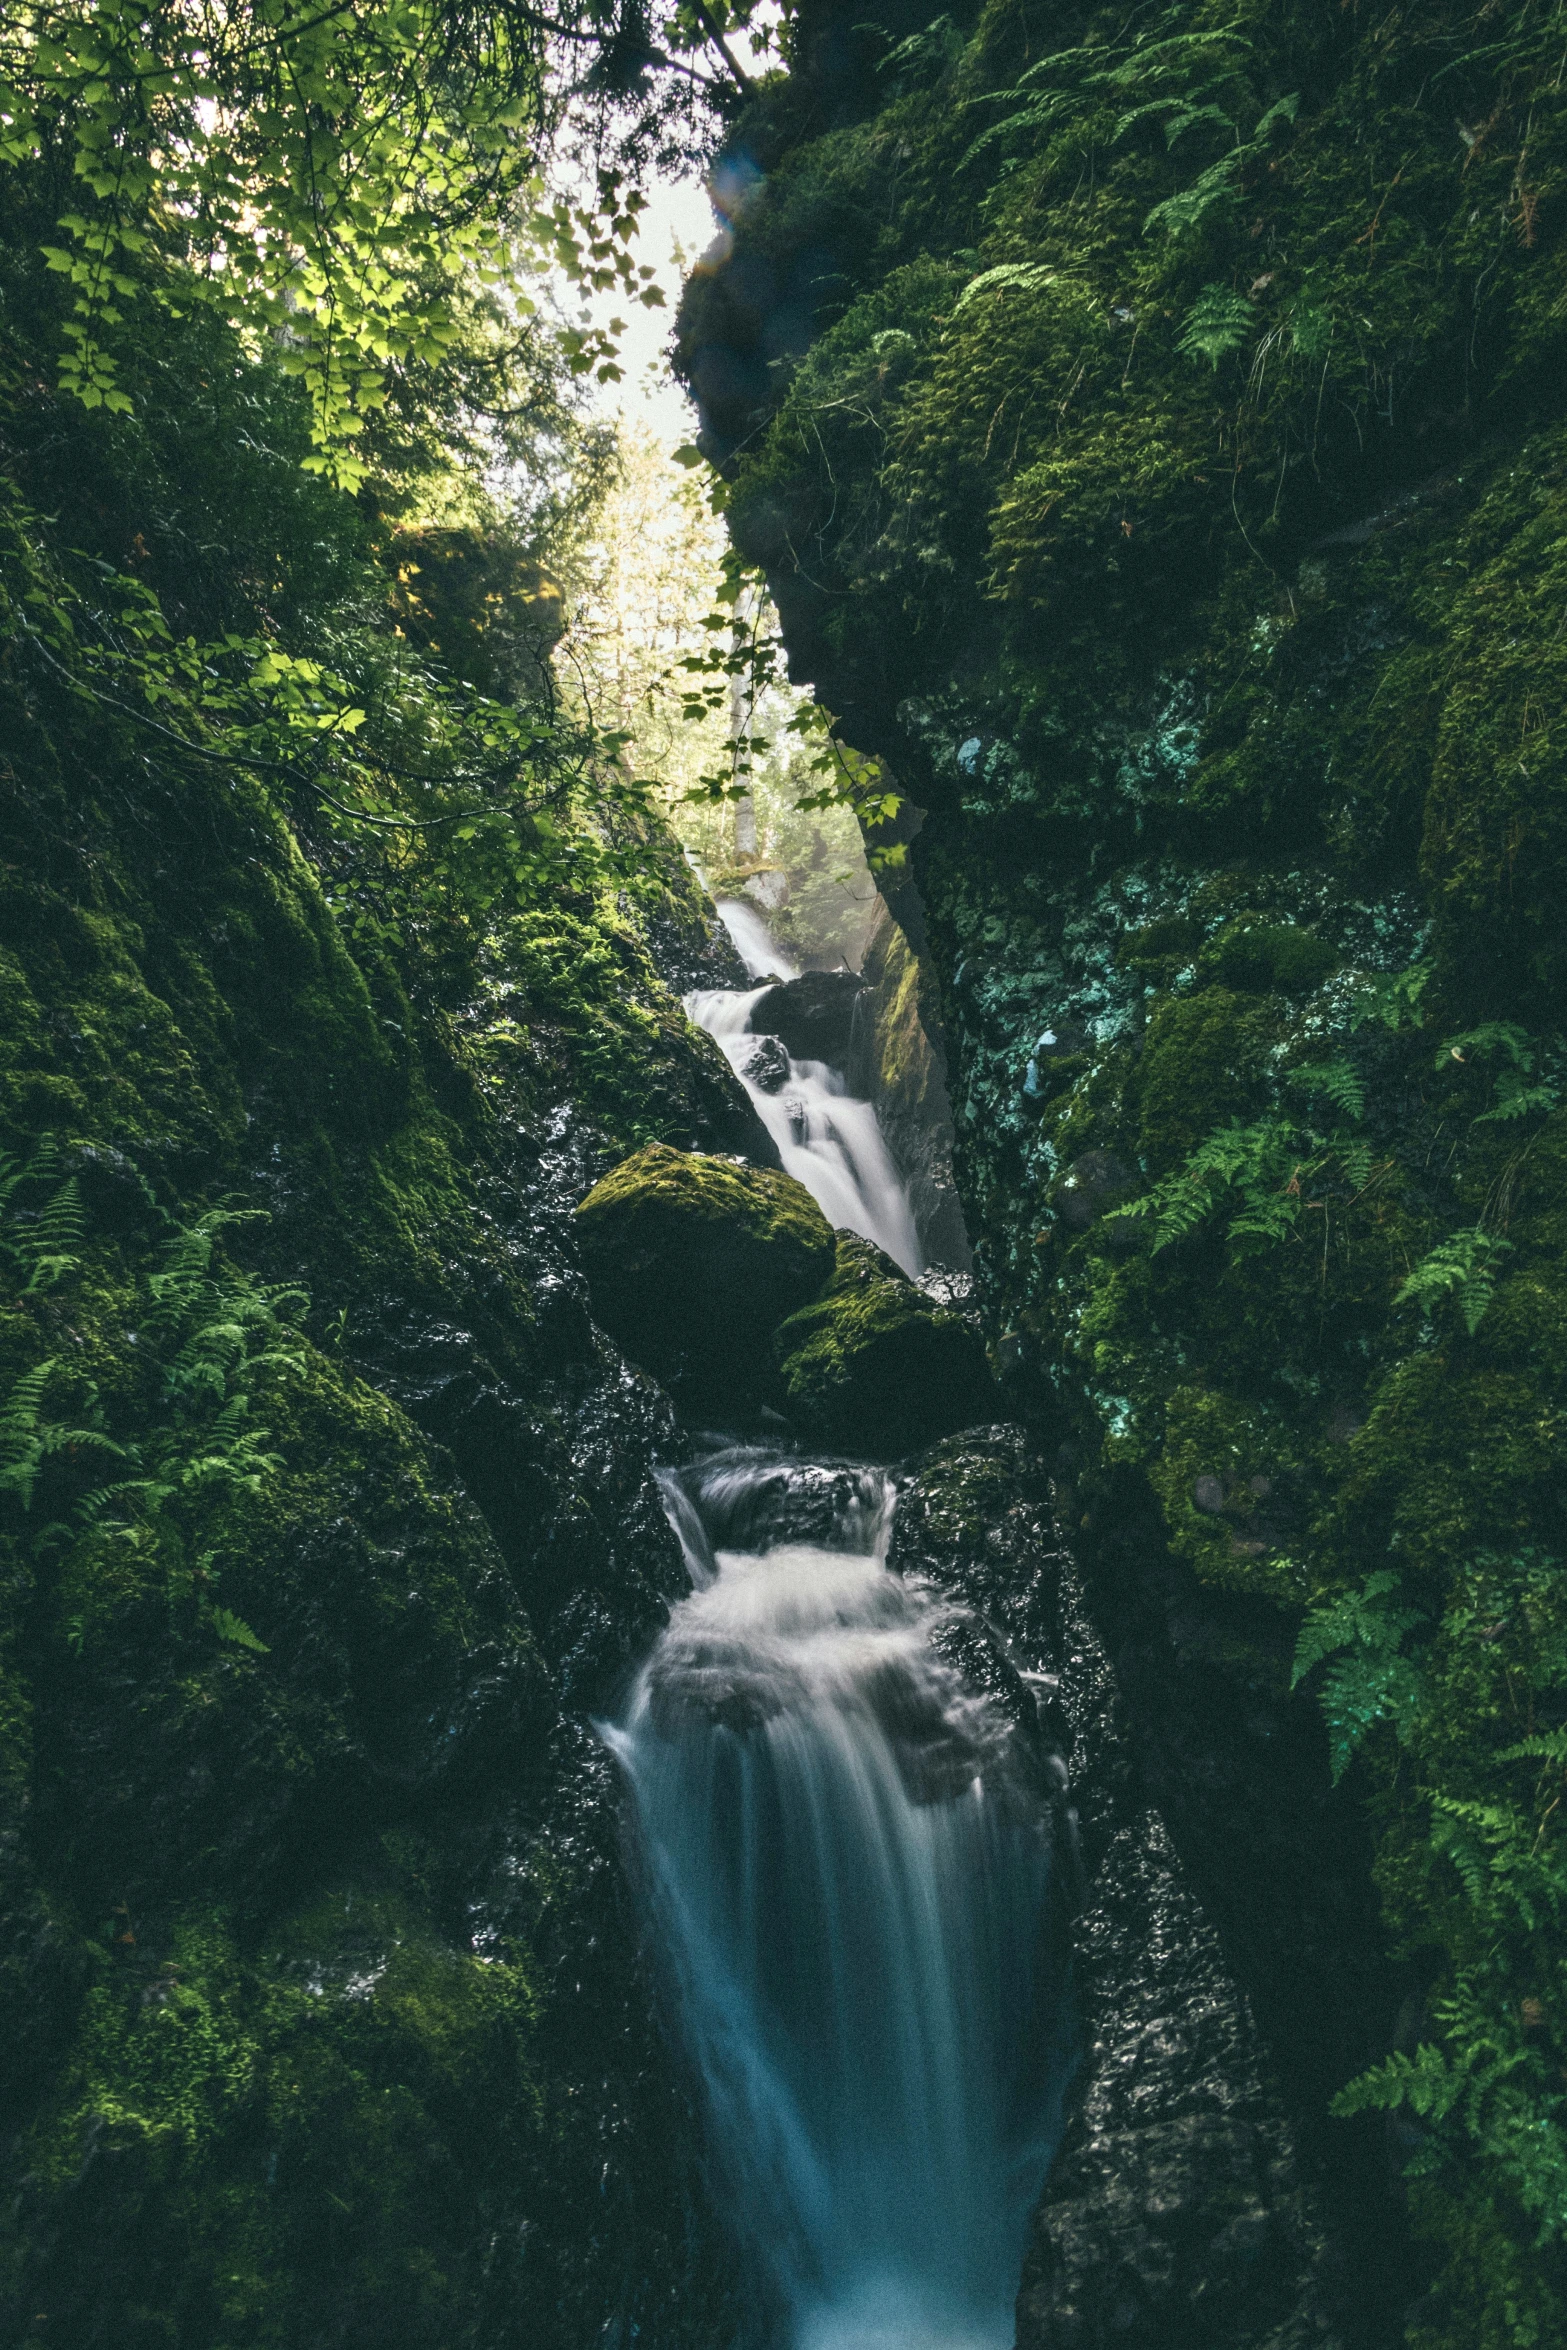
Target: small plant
<point>1516,1096</point>
<point>1395,1000</point>
<point>209,1331</point>
<point>1372,1680</point>
<point>1261,1171</point>
<point>42,1242</point>
<point>1462,1267</point>
<point>1337,1081</point>
<point>1217,323</point>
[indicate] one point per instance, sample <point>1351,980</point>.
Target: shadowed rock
<point>875,1365</point>
<point>814,1015</point>
<point>692,1261</point>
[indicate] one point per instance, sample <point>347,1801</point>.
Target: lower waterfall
<point>847,1862</point>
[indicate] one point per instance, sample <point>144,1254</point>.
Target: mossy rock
<point>1263,958</point>
<point>875,1366</point>
<point>693,1261</point>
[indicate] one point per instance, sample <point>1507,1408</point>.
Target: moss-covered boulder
<point>876,1366</point>
<point>693,1261</point>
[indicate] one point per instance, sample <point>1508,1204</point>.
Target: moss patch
<point>693,1261</point>
<point>874,1366</point>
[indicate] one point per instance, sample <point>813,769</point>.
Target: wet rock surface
<point>766,1064</point>
<point>813,1015</point>
<point>1176,2216</point>
<point>898,1064</point>
<point>1179,2213</point>
<point>875,1365</point>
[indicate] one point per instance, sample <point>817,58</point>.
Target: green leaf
<point>1218,323</point>
<point>236,1631</point>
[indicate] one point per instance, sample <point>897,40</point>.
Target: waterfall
<point>754,941</point>
<point>829,1140</point>
<point>847,1864</point>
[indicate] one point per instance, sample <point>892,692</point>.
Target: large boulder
<point>693,1261</point>
<point>875,1366</point>
<point>813,1014</point>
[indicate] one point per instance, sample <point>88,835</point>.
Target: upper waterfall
<point>830,1141</point>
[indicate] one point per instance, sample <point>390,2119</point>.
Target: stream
<point>845,1850</point>
<point>827,1139</point>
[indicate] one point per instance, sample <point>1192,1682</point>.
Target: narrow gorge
<point>783,1196</point>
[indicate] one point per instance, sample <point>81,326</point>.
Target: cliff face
<point>328,1521</point>
<point>898,1064</point>
<point>1151,436</point>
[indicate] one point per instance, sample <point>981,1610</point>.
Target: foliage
<point>207,1336</point>
<point>1197,559</point>
<point>1270,1167</point>
<point>1461,1266</point>
<point>1374,1682</point>
<point>322,182</point>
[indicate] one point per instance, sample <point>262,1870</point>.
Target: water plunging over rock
<point>848,1850</point>
<point>826,1139</point>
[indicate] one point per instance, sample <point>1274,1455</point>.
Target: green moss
<point>873,1366</point>
<point>1229,1477</point>
<point>692,1258</point>
<point>290,2120</point>
<point>1193,1073</point>
<point>1268,956</point>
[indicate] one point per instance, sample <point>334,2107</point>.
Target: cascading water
<point>754,941</point>
<point>828,1140</point>
<point>847,1855</point>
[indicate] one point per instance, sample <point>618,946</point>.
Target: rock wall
<point>897,1063</point>
<point>1152,442</point>
<point>1179,2213</point>
<point>324,2014</point>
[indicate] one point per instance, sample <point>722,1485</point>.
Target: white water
<point>753,940</point>
<point>826,1138</point>
<point>829,1140</point>
<point>847,1879</point>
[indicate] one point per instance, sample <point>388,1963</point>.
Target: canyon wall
<point>1151,437</point>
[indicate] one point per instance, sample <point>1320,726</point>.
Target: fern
<point>924,53</point>
<point>1516,1096</point>
<point>1492,1036</point>
<point>1394,1001</point>
<point>1374,1681</point>
<point>27,1439</point>
<point>209,1333</point>
<point>1425,2082</point>
<point>1463,1267</point>
<point>235,1630</point>
<point>1189,207</point>
<point>1548,1747</point>
<point>1337,1081</point>
<point>43,1244</point>
<point>1009,274</point>
<point>1236,1157</point>
<point>1219,321</point>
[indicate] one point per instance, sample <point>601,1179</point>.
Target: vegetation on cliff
<point>1150,429</point>
<point>330,968</point>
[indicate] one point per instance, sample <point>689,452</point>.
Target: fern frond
<point>1492,1036</point>
<point>235,1630</point>
<point>1338,1081</point>
<point>1549,1746</point>
<point>1461,1266</point>
<point>1425,2082</point>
